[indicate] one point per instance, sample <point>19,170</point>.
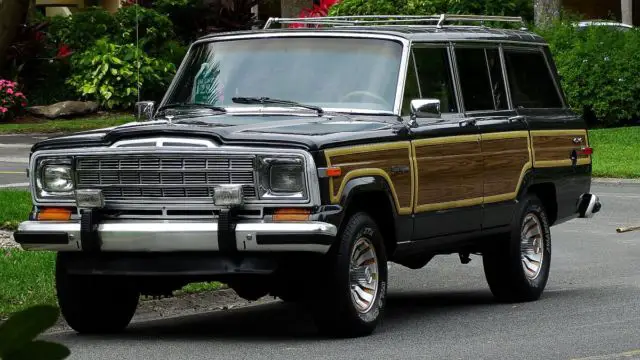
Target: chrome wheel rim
<point>531,246</point>
<point>363,275</point>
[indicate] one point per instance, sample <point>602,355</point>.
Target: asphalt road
<point>14,159</point>
<point>590,310</point>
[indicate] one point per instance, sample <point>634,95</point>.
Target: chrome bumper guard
<point>169,236</point>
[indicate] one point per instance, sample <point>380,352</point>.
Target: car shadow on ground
<point>282,321</point>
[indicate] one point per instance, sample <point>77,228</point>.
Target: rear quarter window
<point>530,80</point>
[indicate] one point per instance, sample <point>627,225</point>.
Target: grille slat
<point>150,176</point>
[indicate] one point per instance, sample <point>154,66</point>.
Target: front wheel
<point>354,281</point>
<point>517,265</point>
<point>94,304</point>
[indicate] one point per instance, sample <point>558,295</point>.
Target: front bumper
<point>176,236</point>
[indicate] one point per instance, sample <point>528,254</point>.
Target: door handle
<point>516,118</point>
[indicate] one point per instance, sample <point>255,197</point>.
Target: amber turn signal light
<point>54,214</point>
<point>334,171</point>
<point>291,215</point>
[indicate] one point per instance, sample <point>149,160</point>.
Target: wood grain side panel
<point>505,161</point>
<point>554,148</point>
<point>375,160</point>
<point>449,175</point>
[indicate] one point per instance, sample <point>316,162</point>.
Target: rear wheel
<point>517,265</point>
<point>354,281</point>
<point>94,304</point>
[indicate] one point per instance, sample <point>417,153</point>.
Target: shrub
<point>110,74</point>
<point>83,28</point>
<point>598,66</point>
<point>154,29</point>
<point>522,8</point>
<point>12,101</point>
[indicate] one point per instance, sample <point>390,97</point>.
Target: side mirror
<point>144,110</point>
<point>425,108</point>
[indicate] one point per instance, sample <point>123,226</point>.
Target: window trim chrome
<point>311,176</point>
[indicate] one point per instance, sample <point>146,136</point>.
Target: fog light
<point>89,199</point>
<point>228,195</point>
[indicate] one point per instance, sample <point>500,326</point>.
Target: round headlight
<point>57,178</point>
<point>286,178</point>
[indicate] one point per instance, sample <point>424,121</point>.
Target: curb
<point>615,181</point>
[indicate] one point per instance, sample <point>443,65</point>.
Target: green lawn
<point>15,206</point>
<point>66,126</point>
<point>616,152</point>
<point>27,280</point>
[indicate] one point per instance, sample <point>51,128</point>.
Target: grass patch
<point>27,280</point>
<point>15,206</point>
<point>615,152</point>
<point>65,126</point>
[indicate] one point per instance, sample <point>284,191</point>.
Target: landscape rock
<point>64,109</point>
<point>7,242</point>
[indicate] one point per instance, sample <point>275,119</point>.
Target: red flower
<point>316,11</point>
<point>63,51</point>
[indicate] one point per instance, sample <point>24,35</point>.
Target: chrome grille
<point>172,177</point>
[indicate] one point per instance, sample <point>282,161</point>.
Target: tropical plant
<point>111,74</point>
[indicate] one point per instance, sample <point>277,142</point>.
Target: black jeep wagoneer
<point>297,162</point>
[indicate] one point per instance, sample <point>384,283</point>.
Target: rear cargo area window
<point>530,80</point>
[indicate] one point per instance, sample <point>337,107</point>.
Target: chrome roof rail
<point>381,20</point>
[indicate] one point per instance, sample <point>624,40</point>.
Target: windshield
<point>336,73</point>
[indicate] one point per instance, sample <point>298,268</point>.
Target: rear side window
<point>474,79</point>
<point>530,80</point>
<point>481,79</point>
<point>434,77</point>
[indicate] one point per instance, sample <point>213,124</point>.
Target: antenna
<point>137,50</point>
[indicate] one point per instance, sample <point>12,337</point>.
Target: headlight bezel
<point>265,167</point>
<point>44,193</point>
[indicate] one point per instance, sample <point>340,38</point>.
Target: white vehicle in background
<point>618,25</point>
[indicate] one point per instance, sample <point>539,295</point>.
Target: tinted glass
<point>333,72</point>
<point>497,79</point>
<point>434,74</point>
<point>474,79</point>
<point>530,80</point>
<point>411,90</point>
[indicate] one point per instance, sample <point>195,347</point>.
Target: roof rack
<point>382,20</point>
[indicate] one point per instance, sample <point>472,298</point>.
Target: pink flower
<point>19,94</point>
<point>9,91</point>
<point>24,104</point>
<point>3,110</point>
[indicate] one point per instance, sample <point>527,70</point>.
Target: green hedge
<point>599,69</point>
<point>429,7</point>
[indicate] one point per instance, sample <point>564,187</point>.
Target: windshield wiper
<point>198,122</point>
<point>266,100</point>
<point>192,105</point>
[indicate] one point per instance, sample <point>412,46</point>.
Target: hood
<point>310,132</point>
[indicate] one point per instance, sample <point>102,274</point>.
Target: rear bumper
<point>588,205</point>
<point>176,236</point>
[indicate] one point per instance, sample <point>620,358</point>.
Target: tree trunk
<point>546,11</point>
<point>12,15</point>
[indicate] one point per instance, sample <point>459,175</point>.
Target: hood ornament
<point>169,119</point>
